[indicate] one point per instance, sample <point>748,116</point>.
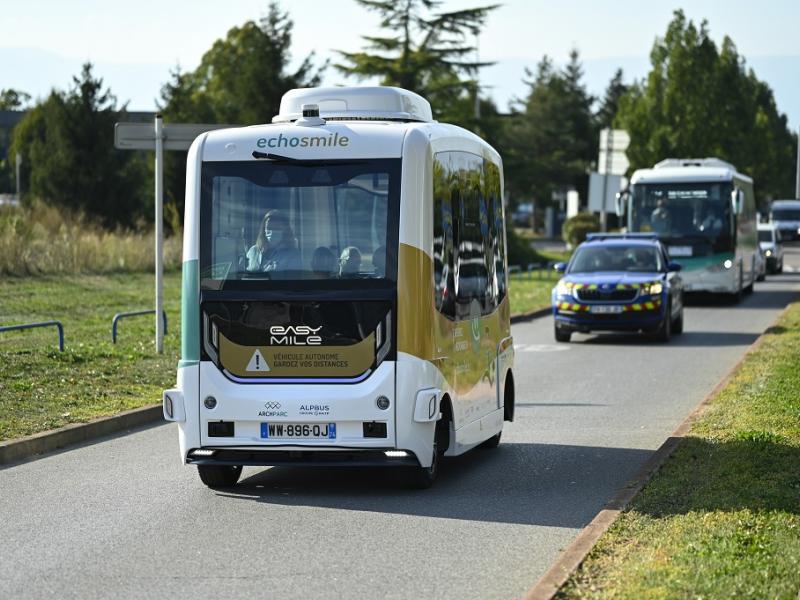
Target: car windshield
<point>617,257</point>
<point>786,214</point>
<point>765,235</point>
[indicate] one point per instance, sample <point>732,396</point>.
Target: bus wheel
<point>219,476</point>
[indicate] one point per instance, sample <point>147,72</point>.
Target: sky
<point>134,45</point>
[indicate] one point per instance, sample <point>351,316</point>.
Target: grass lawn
<point>527,294</point>
<point>42,388</point>
<point>722,517</point>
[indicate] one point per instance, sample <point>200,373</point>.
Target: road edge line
<point>20,449</point>
<point>573,556</point>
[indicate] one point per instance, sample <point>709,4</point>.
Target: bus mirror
<point>737,200</point>
<point>674,267</point>
<point>621,200</point>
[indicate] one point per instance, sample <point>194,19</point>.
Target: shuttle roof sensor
<point>379,103</point>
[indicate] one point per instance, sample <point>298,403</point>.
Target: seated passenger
<point>276,247</point>
<point>379,261</point>
<point>323,263</point>
<point>349,262</point>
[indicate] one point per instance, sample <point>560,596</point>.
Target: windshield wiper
<point>270,156</point>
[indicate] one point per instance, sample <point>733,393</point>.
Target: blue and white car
<point>619,282</point>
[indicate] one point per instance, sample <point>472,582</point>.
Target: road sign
<point>159,137</point>
<point>176,136</point>
<point>612,159</point>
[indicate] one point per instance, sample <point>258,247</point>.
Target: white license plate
<point>680,251</point>
<point>298,431</point>
<point>605,309</point>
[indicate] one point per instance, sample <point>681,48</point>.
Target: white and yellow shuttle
<point>345,293</point>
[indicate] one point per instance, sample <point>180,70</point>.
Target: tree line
<point>697,100</point>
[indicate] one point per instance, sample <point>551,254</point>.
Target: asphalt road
<point>122,518</point>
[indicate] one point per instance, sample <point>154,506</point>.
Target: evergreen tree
<point>67,143</point>
<point>551,139</point>
<point>425,50</point>
<point>610,104</point>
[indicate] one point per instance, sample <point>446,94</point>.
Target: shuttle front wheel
<point>219,476</point>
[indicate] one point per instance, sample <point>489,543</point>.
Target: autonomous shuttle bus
<point>705,213</point>
<point>344,292</point>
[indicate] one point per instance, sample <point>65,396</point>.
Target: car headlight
<point>768,253</point>
<point>562,289</point>
<point>654,289</point>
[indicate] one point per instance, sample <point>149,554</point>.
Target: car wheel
<point>219,476</point>
<point>665,331</point>
<point>562,335</point>
<point>677,324</point>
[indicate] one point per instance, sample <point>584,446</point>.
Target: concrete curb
<point>20,449</point>
<point>529,316</point>
<point>572,557</point>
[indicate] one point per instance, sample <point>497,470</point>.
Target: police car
<point>619,282</point>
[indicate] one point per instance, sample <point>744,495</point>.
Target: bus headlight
<point>728,263</point>
<point>654,289</point>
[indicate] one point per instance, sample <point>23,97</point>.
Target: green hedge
<point>575,228</point>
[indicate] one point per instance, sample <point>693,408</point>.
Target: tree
<point>425,51</point>
<point>244,76</point>
<point>240,80</point>
<point>700,100</point>
<point>67,143</point>
<point>610,104</point>
<point>11,99</point>
<point>551,140</point>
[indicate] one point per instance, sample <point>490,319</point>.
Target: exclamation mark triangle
<point>257,362</point>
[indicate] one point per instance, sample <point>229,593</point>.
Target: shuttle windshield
<point>312,221</point>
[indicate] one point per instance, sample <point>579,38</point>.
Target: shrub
<point>41,239</point>
<point>576,228</point>
<point>519,250</point>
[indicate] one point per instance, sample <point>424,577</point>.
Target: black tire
<point>665,331</point>
<point>780,269</point>
<point>219,476</point>
<point>421,478</point>
<point>677,324</point>
<point>492,442</point>
<point>562,335</point>
<point>737,296</point>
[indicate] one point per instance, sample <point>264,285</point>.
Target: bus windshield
<point>694,215</point>
<point>298,221</point>
<point>637,259</point>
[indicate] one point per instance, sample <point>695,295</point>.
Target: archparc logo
<point>306,141</point>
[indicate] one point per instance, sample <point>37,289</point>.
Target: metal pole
<point>159,177</point>
<point>797,181</point>
<point>609,139</point>
<point>19,183</point>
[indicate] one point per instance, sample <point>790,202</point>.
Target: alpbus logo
<point>294,335</point>
<point>306,141</point>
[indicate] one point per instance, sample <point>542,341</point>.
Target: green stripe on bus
<point>190,313</point>
<point>703,262</point>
